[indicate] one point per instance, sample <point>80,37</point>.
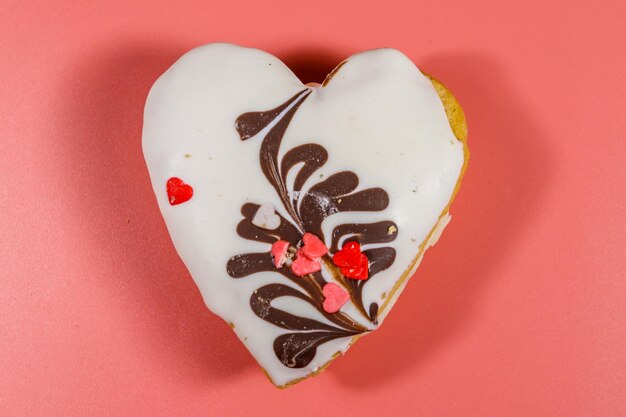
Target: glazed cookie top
<point>297,208</point>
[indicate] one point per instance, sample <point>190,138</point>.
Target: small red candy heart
<point>279,250</point>
<point>177,191</point>
<point>351,262</point>
<point>303,265</point>
<point>313,246</point>
<point>335,297</point>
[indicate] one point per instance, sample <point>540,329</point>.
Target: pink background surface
<point>518,311</point>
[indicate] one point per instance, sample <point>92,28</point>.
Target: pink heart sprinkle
<point>279,250</point>
<point>313,246</point>
<point>303,265</point>
<point>335,297</point>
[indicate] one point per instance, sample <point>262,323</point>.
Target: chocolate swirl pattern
<point>306,211</point>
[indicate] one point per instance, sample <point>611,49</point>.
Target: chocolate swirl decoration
<point>306,211</point>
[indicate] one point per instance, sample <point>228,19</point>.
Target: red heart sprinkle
<point>335,297</point>
<point>303,265</point>
<point>279,250</point>
<point>351,262</point>
<point>313,246</point>
<point>177,191</point>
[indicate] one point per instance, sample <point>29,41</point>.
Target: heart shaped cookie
<point>312,204</point>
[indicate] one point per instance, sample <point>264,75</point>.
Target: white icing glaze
<point>378,116</point>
